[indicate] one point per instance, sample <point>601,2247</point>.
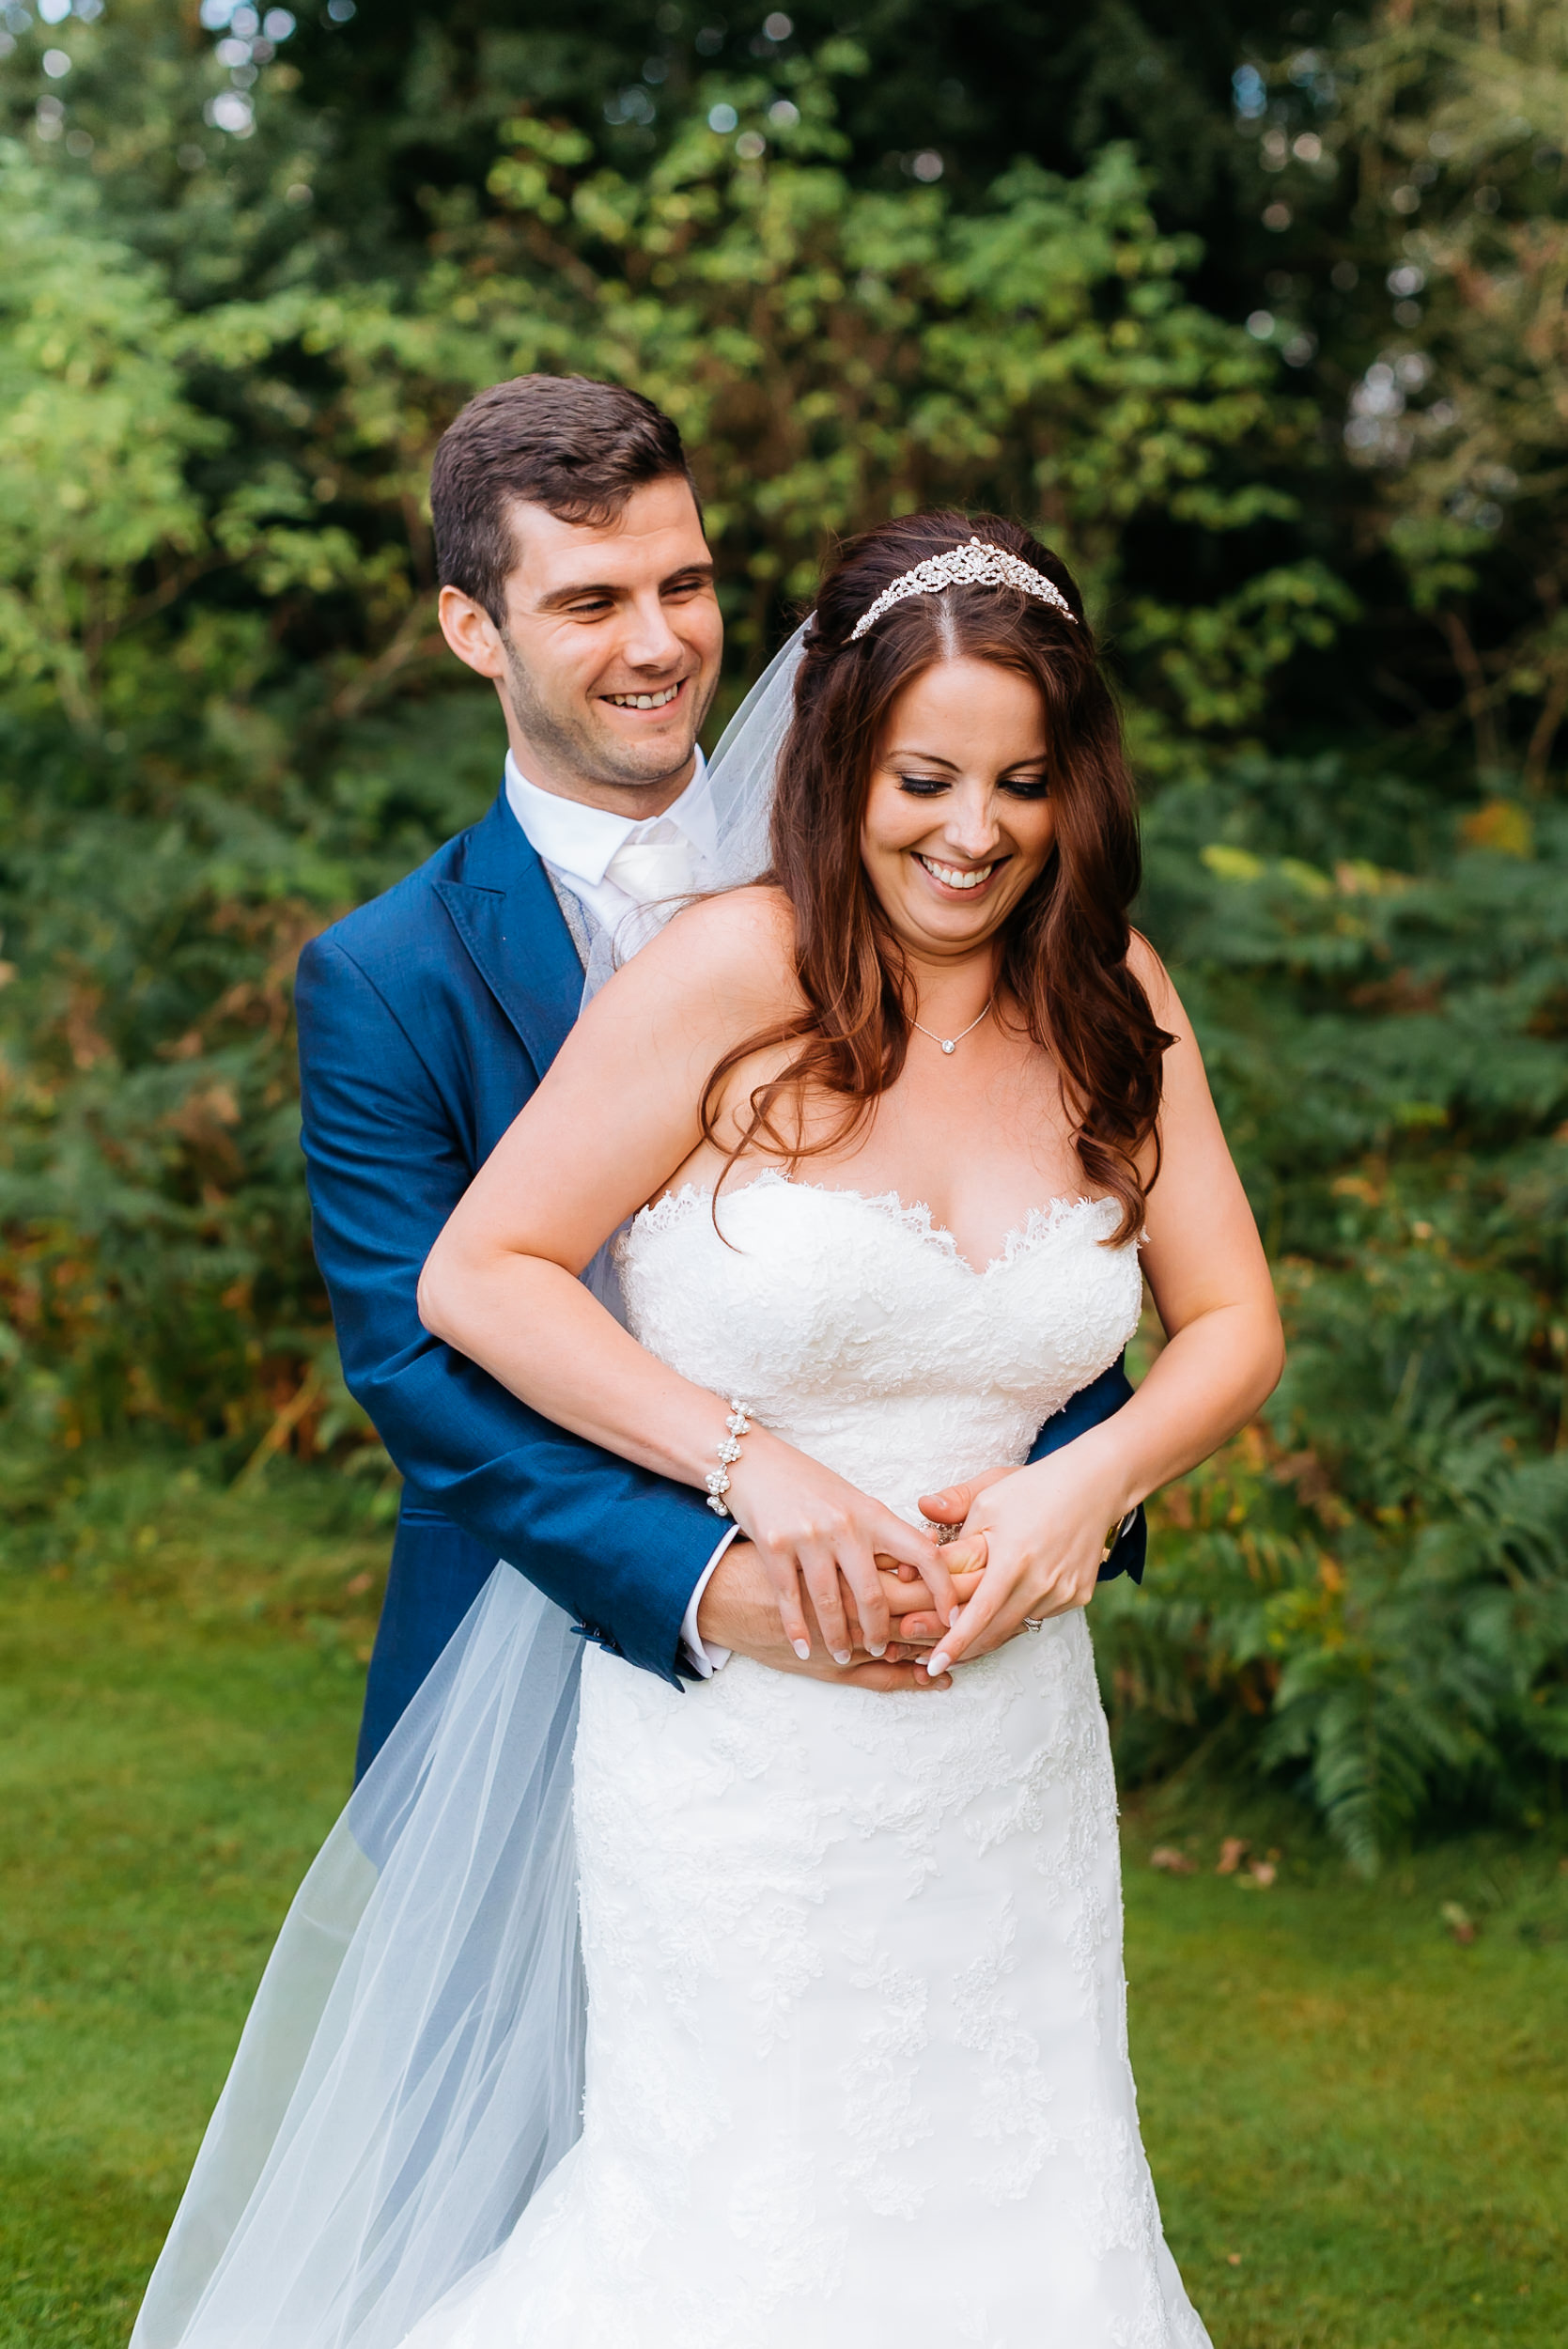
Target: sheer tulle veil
<point>413,2066</point>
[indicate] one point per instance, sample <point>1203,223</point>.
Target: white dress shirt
<point>581,844</point>
<point>659,858</point>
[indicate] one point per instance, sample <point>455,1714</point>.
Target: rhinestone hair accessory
<point>978,565</point>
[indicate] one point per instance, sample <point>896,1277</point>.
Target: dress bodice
<point>854,1329</point>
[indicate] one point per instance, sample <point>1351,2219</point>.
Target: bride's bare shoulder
<point>728,959</point>
<point>1151,973</point>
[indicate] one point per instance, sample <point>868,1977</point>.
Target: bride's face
<point>957,822</point>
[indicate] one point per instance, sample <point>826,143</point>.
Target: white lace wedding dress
<point>857,2061</point>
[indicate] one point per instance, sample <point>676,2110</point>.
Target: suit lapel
<point>506,915</point>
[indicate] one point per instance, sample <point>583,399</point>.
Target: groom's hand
<point>740,1609</point>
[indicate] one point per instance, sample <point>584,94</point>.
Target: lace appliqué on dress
<point>854,1961</point>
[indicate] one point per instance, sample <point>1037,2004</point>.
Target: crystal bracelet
<point>738,1424</point>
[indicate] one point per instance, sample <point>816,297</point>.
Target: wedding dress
<point>857,2062</point>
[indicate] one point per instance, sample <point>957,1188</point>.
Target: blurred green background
<point>1258,315</point>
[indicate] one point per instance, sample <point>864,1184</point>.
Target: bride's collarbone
<point>978,1149</point>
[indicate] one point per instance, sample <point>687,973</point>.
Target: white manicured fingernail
<point>939,1664</point>
<point>802,1649</point>
<point>881,1651</point>
<point>841,1655</point>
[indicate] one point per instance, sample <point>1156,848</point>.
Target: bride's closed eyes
<point>1017,786</point>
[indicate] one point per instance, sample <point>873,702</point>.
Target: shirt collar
<point>581,841</point>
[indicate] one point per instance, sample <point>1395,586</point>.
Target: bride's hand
<point>807,1524</point>
<point>1044,1531</point>
<point>738,1611</point>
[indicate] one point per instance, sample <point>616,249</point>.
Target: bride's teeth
<point>956,879</point>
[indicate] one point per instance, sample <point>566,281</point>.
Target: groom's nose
<point>648,641</point>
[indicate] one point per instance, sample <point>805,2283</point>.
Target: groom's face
<point>610,652</point>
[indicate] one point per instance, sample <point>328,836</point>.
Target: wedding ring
<point>1034,1623</point>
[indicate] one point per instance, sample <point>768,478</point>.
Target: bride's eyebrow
<point>929,758</point>
<point>898,757</point>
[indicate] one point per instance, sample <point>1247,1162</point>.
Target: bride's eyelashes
<point>924,787</point>
<point>1017,786</point>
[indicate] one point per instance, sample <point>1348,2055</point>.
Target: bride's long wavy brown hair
<point>1063,969</point>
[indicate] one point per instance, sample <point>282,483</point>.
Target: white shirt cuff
<point>704,1656</point>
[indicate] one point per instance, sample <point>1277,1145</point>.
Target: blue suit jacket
<point>427,1018</point>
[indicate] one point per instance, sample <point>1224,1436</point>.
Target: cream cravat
<point>649,868</point>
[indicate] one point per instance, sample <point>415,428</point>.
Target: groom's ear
<point>472,634</point>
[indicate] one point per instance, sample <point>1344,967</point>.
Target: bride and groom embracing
<point>721,1947</point>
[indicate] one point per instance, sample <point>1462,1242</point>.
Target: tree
<point>238,318</point>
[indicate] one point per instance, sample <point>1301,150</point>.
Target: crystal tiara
<point>978,565</point>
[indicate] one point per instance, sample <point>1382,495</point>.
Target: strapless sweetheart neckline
<point>914,1217</point>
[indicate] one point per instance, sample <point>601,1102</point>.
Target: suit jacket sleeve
<point>387,1161</point>
<point>1088,1409</point>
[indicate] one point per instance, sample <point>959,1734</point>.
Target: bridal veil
<point>412,2068</point>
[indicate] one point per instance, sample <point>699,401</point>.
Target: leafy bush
<point>1371,1582</point>
<point>225,716</point>
<point>208,649</point>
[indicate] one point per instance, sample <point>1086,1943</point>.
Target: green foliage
<point>223,586</point>
<point>1416,180</point>
<point>1334,593</point>
<point>1370,1584</point>
<point>1466,109</point>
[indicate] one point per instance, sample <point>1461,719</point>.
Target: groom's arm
<point>619,1549</point>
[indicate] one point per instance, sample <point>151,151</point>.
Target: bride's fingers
<point>922,1623</point>
<point>970,1622</point>
<point>998,1607</point>
<point>952,1505</point>
<point>939,1582</point>
<point>859,1568</point>
<point>820,1568</point>
<point>786,1582</point>
<point>900,1544</point>
<point>912,1598</point>
<point>895,1539</point>
<point>933,1567</point>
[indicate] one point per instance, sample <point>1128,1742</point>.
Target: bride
<point>892,1138</point>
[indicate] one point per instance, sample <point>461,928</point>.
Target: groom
<point>576,576</point>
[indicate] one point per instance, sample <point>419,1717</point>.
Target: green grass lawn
<point>1358,2127</point>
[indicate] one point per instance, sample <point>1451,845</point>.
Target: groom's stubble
<point>572,744</point>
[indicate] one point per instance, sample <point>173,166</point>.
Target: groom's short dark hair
<point>577,447</point>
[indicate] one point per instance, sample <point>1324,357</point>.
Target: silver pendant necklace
<point>950,1043</point>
